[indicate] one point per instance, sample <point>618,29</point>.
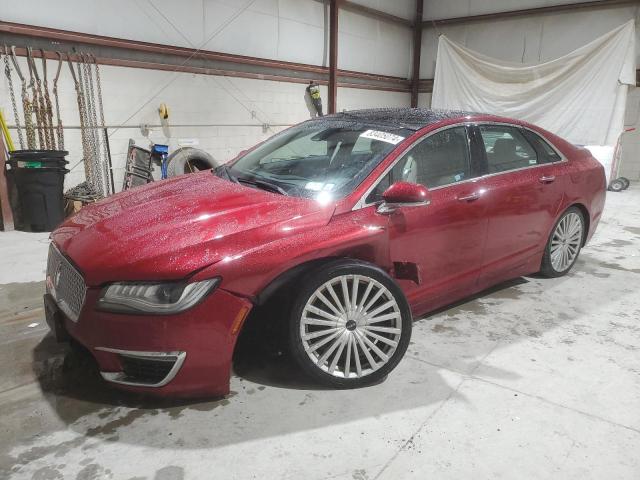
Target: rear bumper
<point>184,355</point>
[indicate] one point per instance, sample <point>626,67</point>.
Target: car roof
<point>411,118</point>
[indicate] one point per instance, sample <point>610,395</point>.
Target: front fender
<point>362,234</point>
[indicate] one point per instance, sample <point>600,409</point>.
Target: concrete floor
<point>537,378</point>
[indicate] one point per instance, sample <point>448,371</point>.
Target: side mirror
<point>404,194</point>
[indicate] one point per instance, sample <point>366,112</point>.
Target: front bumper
<point>188,354</point>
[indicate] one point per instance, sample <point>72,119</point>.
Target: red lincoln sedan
<point>360,220</point>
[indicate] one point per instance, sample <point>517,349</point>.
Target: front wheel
<point>350,325</point>
<point>564,243</point>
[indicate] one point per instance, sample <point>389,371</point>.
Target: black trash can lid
<point>38,154</point>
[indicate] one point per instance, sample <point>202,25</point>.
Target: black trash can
<point>39,179</point>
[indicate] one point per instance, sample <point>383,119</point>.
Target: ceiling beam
<point>373,13</point>
<point>528,11</point>
<point>134,54</point>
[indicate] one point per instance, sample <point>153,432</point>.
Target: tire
<point>189,160</point>
<point>616,186</point>
<point>347,338</point>
<point>626,182</point>
<point>567,237</point>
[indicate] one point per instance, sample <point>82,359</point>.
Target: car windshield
<point>324,159</point>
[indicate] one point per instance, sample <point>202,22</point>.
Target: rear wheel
<point>564,243</point>
<point>350,324</point>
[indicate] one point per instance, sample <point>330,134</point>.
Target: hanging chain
<point>14,105</point>
<point>92,125</point>
<point>81,115</point>
<point>35,96</point>
<point>26,104</point>
<point>105,139</point>
<point>84,124</point>
<point>59,130</point>
<point>48,112</point>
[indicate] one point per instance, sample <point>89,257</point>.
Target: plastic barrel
<point>39,179</point>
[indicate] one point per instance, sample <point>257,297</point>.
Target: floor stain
<point>177,411</point>
<point>112,427</point>
<point>360,474</point>
<point>93,471</point>
<point>616,266</point>
<point>617,243</point>
<point>170,472</point>
<point>47,473</point>
<point>438,328</point>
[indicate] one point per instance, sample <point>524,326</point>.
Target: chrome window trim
<point>361,203</point>
<point>120,378</point>
<point>391,207</point>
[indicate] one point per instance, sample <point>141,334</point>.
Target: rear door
<point>523,189</point>
<point>439,245</point>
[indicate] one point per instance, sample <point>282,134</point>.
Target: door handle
<point>547,179</point>
<point>470,197</point>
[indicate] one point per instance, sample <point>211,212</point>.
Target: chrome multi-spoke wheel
<point>352,326</point>
<point>565,243</point>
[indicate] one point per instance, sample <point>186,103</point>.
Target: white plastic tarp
<point>580,96</point>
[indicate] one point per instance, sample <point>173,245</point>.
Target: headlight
<point>158,298</point>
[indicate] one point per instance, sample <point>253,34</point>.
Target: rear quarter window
<point>546,153</point>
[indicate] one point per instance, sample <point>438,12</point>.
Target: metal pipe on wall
<point>333,54</point>
<point>417,47</point>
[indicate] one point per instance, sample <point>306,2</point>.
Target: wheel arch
<point>585,215</point>
<point>288,276</point>
<point>273,300</point>
<point>297,271</point>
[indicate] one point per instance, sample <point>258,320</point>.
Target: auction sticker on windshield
<point>382,136</point>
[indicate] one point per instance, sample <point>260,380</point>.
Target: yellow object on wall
<point>5,133</point>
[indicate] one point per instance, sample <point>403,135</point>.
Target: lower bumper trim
<point>176,359</point>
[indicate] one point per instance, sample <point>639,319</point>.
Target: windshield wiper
<point>272,187</point>
<point>223,171</point>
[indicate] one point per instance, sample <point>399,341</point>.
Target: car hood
<point>171,228</point>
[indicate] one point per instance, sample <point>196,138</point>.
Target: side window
<point>507,149</point>
<point>378,190</point>
<point>438,160</point>
<point>546,153</point>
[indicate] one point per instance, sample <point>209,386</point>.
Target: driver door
<point>440,245</point>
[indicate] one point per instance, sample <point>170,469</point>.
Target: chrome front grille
<point>65,284</point>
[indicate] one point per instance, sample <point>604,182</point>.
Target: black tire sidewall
<point>321,275</point>
<point>547,267</point>
<point>178,159</point>
<point>616,186</point>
